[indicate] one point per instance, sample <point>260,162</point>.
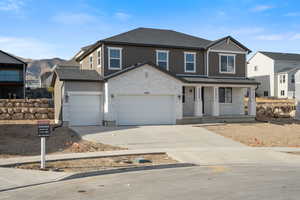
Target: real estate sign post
<point>43,132</point>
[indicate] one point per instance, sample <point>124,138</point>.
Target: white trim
<point>162,51</point>
<point>115,48</point>
<point>185,62</point>
<point>225,51</point>
<point>220,55</point>
<point>91,64</point>
<point>84,93</point>
<point>99,58</point>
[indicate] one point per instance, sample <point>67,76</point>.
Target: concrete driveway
<point>149,137</point>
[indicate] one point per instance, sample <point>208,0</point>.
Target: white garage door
<point>85,109</point>
<point>146,110</point>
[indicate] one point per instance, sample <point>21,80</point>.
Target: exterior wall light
<point>179,96</point>
<point>112,96</point>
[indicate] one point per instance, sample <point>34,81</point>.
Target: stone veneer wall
<point>26,109</point>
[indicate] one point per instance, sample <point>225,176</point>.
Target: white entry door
<point>146,109</point>
<point>189,101</point>
<point>85,109</point>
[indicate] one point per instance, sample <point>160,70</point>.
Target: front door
<point>188,101</point>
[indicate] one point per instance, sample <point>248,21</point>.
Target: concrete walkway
<point>152,137</point>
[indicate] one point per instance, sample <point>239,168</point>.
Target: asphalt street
<point>264,182</point>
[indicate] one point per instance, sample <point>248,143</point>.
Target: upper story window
<point>162,59</point>
<point>282,78</point>
<point>293,78</point>
<point>189,62</point>
<point>99,57</point>
<point>227,63</point>
<point>114,58</point>
<point>11,75</point>
<point>255,68</point>
<point>91,61</point>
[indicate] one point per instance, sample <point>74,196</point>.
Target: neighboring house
<point>153,76</point>
<point>12,76</point>
<point>275,72</point>
<point>33,83</point>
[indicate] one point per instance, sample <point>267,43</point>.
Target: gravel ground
<point>272,134</point>
<point>22,140</point>
<point>95,164</point>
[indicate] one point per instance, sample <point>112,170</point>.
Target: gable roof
<point>7,58</point>
<point>141,65</point>
<point>159,37</point>
<point>288,69</point>
<point>281,56</point>
<point>226,38</point>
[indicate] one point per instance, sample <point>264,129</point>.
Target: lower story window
<point>225,95</point>
<point>282,92</point>
<point>266,93</point>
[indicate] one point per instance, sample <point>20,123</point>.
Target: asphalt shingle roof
<point>161,37</point>
<point>76,74</point>
<point>282,56</point>
<point>7,58</point>
<point>220,80</point>
<point>288,69</point>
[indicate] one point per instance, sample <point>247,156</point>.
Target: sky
<point>51,28</point>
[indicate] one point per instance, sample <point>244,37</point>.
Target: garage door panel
<point>85,110</point>
<point>146,109</point>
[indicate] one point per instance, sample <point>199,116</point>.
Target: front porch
<point>211,103</point>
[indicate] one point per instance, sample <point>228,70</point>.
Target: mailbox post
<point>43,132</point>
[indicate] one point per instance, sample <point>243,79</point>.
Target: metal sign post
<point>43,132</point>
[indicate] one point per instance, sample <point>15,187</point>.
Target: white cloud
<point>122,16</point>
<point>296,36</point>
<point>247,31</point>
<point>27,47</point>
<point>271,37</point>
<point>261,8</point>
<point>73,18</point>
<point>11,5</point>
<point>292,14</point>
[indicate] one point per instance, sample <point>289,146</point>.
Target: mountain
<point>37,67</point>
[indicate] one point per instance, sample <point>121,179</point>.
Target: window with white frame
<point>227,63</point>
<point>162,59</point>
<point>225,95</point>
<point>282,93</point>
<point>91,61</point>
<point>114,58</point>
<point>282,79</point>
<point>99,57</point>
<point>189,62</point>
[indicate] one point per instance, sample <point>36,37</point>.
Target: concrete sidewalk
<point>14,178</point>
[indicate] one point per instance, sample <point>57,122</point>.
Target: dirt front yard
<point>259,134</point>
<point>96,164</point>
<point>22,140</point>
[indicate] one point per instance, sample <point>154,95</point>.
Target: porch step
<point>219,119</point>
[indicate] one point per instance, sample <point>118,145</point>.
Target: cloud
<point>122,16</point>
<point>247,31</point>
<point>11,5</point>
<point>296,36</point>
<point>261,8</point>
<point>271,37</point>
<point>292,14</point>
<point>74,18</point>
<point>27,47</point>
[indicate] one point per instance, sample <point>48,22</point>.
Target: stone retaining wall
<point>275,110</point>
<point>26,109</point>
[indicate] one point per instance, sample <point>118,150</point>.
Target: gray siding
<point>132,55</point>
<point>214,64</point>
<point>264,85</point>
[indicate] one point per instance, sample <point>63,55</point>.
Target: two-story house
<point>275,72</point>
<point>154,76</point>
<point>12,76</point>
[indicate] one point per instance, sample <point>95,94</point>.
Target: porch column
<point>215,102</point>
<point>251,102</point>
<point>198,101</point>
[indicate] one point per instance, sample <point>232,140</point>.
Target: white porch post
<point>198,101</point>
<point>215,103</point>
<point>251,102</point>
